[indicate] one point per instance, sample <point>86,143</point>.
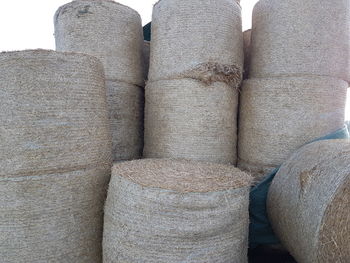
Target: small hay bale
<point>301,38</point>
<point>187,119</point>
<point>309,200</point>
<point>107,30</point>
<point>55,157</point>
<point>125,103</point>
<point>209,41</point>
<point>160,210</point>
<point>279,115</point>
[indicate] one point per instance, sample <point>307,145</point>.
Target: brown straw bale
<point>308,203</point>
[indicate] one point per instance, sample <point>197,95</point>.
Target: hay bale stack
<point>279,115</point>
<point>301,38</point>
<point>55,156</point>
<point>187,119</point>
<point>209,41</point>
<point>308,203</point>
<point>113,33</point>
<point>161,210</point>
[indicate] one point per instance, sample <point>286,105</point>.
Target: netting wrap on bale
<point>55,157</point>
<point>105,29</point>
<point>176,211</point>
<point>205,35</point>
<point>187,119</point>
<point>281,114</point>
<point>309,200</point>
<point>125,103</point>
<point>301,37</point>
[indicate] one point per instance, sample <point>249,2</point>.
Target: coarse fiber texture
<point>55,157</point>
<point>247,36</point>
<point>53,113</point>
<point>197,39</point>
<point>160,210</point>
<point>146,53</point>
<point>126,103</point>
<point>110,31</point>
<point>308,203</point>
<point>279,115</point>
<point>53,217</point>
<point>294,37</point>
<point>187,119</point>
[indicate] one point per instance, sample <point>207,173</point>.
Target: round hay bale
<point>110,31</point>
<point>176,211</point>
<point>187,119</point>
<point>209,41</point>
<point>301,37</point>
<point>126,102</point>
<point>279,115</point>
<point>308,203</point>
<point>247,35</point>
<point>55,156</point>
<point>146,53</point>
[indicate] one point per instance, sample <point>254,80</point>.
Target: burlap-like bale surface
<point>55,156</point>
<point>187,119</point>
<point>309,200</point>
<point>247,36</point>
<point>197,39</point>
<point>176,211</point>
<point>279,115</point>
<point>126,103</point>
<point>146,54</point>
<point>301,37</point>
<point>105,29</point>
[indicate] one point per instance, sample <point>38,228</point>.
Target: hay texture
<point>279,115</point>
<point>187,119</point>
<point>160,210</point>
<point>125,103</point>
<point>209,41</point>
<point>301,38</point>
<point>309,200</point>
<point>55,156</point>
<point>110,31</point>
<point>247,36</point>
<point>146,54</point>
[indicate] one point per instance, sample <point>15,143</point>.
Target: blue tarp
<point>260,231</point>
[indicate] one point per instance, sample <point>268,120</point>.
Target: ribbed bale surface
<point>188,119</point>
<point>301,37</point>
<point>176,211</point>
<point>105,29</point>
<point>146,55</point>
<point>126,103</point>
<point>247,36</point>
<point>55,156</point>
<point>209,42</point>
<point>309,200</point>
<point>281,114</point>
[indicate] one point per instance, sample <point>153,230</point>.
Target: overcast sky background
<point>28,24</point>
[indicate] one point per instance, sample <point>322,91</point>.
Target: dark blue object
<point>147,31</point>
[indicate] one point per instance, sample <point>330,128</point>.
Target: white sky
<point>28,24</point>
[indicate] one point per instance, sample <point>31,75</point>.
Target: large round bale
<point>209,41</point>
<point>55,157</point>
<point>308,203</point>
<point>161,210</point>
<point>279,115</point>
<point>105,29</point>
<point>301,37</point>
<point>126,103</point>
<point>187,119</point>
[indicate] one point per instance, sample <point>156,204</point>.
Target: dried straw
<point>308,203</point>
<point>176,211</point>
<point>187,119</point>
<point>301,37</point>
<point>55,156</point>
<point>209,41</point>
<point>279,115</point>
<point>105,29</point>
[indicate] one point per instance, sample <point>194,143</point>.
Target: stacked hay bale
<point>299,74</point>
<point>309,200</point>
<point>191,97</point>
<point>161,210</point>
<point>55,157</point>
<point>113,33</point>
